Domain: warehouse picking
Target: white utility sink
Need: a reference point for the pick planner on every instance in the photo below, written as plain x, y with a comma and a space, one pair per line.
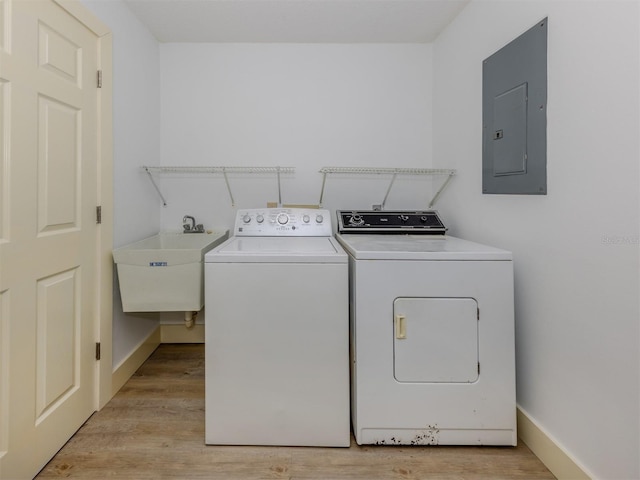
165, 273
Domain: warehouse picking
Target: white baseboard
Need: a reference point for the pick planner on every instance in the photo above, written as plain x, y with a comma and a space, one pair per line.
547, 449
180, 334
128, 367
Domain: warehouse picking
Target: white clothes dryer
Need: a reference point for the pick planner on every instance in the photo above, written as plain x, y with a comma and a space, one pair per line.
432, 333
277, 332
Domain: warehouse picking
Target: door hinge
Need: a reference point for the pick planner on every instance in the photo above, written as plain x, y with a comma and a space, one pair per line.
99, 214
478, 368
478, 313
97, 350
99, 78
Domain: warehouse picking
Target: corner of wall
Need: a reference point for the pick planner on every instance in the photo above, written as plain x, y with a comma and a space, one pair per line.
559, 462
181, 334
134, 360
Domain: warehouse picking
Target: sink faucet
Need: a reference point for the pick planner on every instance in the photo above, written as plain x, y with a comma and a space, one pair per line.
189, 225
186, 225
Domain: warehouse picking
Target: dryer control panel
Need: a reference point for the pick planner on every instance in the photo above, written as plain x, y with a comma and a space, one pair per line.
396, 221
283, 222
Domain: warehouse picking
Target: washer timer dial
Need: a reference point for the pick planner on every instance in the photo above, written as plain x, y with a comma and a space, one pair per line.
283, 218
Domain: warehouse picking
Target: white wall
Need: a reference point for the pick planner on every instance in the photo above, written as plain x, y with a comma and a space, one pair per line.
299, 105
136, 114
575, 249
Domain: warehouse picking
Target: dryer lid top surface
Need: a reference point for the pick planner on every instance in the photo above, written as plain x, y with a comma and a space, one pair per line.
417, 247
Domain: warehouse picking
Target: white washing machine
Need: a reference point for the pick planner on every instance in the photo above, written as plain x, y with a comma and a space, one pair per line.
277, 332
432, 333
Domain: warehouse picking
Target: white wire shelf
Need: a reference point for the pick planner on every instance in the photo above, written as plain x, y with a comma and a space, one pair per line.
197, 170
217, 170
388, 171
394, 172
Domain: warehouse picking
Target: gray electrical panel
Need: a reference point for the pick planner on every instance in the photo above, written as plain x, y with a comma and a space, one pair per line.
514, 116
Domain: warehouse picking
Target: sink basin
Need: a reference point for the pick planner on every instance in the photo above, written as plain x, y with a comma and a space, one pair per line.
165, 272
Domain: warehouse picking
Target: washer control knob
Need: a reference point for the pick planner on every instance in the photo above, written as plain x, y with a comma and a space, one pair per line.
404, 218
246, 218
319, 218
306, 219
283, 218
260, 218
423, 219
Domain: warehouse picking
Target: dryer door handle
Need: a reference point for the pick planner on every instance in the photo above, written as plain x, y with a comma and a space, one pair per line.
401, 327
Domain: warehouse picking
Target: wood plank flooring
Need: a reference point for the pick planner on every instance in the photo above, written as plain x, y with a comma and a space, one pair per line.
154, 429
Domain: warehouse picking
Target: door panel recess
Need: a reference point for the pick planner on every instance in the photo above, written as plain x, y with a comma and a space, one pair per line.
435, 340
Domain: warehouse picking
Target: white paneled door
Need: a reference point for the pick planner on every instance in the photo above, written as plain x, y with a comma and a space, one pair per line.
49, 239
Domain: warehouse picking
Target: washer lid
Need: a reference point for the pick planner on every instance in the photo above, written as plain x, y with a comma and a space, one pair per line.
278, 250
417, 247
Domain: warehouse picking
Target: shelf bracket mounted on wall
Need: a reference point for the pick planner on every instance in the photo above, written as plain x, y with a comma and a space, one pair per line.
155, 185
218, 170
394, 172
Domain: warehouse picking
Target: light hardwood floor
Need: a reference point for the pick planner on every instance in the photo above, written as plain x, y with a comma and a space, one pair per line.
154, 429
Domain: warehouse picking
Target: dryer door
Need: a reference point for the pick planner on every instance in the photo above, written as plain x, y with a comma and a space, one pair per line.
435, 340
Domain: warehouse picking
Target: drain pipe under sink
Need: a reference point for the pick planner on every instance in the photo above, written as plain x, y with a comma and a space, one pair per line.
190, 319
